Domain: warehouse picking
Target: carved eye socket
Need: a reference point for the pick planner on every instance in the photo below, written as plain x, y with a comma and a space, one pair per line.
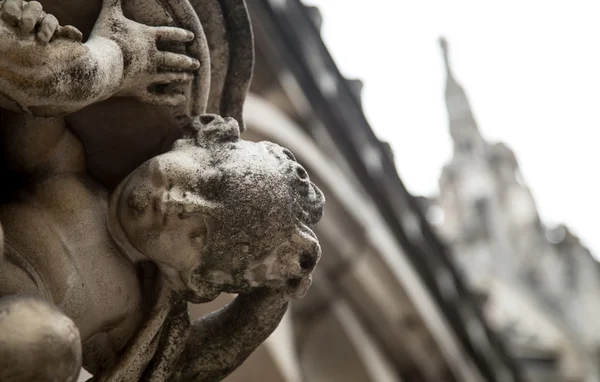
207, 118
289, 154
302, 174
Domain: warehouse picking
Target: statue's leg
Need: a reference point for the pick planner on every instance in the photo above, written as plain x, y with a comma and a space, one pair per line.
37, 342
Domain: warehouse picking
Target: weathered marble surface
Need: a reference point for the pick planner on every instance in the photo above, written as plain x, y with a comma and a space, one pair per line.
122, 201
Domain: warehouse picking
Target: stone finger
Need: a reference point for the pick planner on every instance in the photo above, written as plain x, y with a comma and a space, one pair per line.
298, 288
11, 11
173, 34
48, 26
173, 77
69, 32
174, 61
31, 15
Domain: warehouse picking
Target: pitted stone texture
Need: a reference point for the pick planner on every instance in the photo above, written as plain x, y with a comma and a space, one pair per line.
237, 214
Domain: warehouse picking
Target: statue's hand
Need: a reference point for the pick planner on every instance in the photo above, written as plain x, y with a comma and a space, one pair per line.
293, 289
297, 288
28, 17
145, 66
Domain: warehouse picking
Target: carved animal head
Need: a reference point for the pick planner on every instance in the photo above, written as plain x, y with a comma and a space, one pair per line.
222, 214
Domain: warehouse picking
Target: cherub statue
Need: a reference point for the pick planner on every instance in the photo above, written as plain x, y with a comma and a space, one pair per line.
103, 281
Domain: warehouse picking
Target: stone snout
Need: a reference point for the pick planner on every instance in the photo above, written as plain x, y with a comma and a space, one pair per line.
289, 265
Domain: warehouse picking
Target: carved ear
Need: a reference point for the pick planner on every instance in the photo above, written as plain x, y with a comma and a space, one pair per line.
228, 31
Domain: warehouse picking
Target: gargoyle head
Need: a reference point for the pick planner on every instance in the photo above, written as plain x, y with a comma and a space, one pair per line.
221, 214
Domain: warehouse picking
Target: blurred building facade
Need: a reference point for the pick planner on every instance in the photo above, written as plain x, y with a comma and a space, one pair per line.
539, 287
387, 303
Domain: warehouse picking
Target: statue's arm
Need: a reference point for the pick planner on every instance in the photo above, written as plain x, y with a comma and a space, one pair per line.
63, 75
219, 342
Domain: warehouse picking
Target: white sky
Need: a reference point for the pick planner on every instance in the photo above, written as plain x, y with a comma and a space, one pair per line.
531, 70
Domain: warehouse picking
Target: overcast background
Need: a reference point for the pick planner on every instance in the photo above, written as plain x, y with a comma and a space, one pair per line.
531, 70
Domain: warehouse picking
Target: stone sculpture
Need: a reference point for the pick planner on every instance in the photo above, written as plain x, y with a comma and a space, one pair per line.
101, 256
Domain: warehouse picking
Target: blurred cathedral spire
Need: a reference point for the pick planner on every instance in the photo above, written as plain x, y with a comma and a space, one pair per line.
463, 127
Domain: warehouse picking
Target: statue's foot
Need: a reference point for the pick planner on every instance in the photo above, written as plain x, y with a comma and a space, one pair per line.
37, 342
